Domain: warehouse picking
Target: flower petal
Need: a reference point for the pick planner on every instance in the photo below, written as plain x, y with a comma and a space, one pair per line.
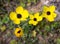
45, 8
25, 14
40, 18
35, 23
54, 15
12, 15
16, 21
52, 8
19, 9
31, 22
23, 19
51, 19
31, 16
36, 15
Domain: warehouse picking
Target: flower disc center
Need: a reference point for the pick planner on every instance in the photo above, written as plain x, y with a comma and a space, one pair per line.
35, 19
19, 15
19, 31
48, 13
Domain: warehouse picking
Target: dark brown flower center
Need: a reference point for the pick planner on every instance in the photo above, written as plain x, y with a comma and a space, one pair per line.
35, 19
48, 13
19, 15
19, 31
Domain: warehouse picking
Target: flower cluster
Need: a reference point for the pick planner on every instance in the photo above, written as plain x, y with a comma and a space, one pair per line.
22, 14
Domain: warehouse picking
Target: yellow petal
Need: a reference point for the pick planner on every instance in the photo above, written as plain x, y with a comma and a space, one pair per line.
51, 19
35, 22
45, 8
52, 8
25, 14
36, 15
19, 9
16, 21
31, 16
31, 22
54, 15
23, 19
44, 15
12, 15
40, 18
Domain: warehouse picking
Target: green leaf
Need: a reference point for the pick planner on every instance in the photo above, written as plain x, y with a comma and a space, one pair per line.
5, 19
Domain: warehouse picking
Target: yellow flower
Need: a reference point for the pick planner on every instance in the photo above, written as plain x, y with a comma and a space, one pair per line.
34, 33
48, 13
18, 32
34, 19
19, 15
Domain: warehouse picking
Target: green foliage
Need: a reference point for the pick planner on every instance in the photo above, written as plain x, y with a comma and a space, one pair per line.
58, 40
28, 0
47, 28
55, 25
13, 42
22, 4
11, 25
5, 19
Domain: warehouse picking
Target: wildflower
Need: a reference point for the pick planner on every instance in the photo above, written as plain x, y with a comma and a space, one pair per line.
18, 32
48, 13
34, 33
34, 19
3, 28
20, 15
